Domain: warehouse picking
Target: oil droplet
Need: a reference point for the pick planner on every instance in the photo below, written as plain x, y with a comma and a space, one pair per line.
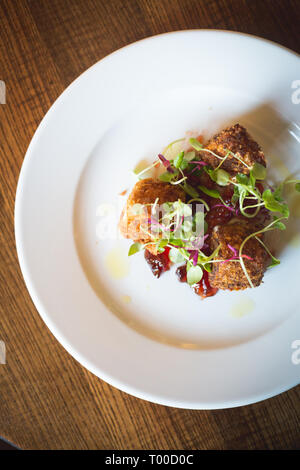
117, 263
126, 299
242, 308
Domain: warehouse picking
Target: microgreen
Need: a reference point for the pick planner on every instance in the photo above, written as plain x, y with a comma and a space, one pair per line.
168, 177
258, 171
190, 190
210, 192
196, 144
179, 160
176, 228
194, 274
172, 149
271, 226
275, 261
278, 224
219, 176
222, 177
176, 256
199, 147
134, 248
274, 205
166, 163
140, 174
296, 182
161, 244
189, 156
243, 180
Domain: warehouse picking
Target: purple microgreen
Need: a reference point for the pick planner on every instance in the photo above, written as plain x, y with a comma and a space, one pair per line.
166, 163
197, 167
193, 256
236, 258
234, 250
199, 162
232, 209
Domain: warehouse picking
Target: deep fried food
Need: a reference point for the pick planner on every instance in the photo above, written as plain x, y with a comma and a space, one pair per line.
146, 192
238, 141
229, 274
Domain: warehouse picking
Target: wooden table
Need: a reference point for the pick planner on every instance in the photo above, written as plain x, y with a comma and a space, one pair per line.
48, 401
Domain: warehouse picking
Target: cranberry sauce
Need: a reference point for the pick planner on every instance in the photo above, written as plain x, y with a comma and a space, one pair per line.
181, 273
158, 263
202, 288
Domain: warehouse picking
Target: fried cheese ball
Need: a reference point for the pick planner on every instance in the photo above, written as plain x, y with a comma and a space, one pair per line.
229, 274
238, 141
145, 192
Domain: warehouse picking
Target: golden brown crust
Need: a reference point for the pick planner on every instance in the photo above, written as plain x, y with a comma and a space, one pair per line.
147, 190
237, 140
144, 192
230, 275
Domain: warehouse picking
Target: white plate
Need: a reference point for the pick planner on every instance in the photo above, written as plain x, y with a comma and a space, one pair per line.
156, 339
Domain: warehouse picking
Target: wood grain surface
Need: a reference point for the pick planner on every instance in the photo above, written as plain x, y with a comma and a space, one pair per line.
48, 401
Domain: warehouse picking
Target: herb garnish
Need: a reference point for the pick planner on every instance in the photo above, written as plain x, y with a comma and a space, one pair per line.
175, 231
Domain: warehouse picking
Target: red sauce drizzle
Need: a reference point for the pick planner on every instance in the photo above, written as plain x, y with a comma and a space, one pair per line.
181, 273
202, 288
158, 263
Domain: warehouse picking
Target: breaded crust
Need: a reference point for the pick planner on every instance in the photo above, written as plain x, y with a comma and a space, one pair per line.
230, 275
146, 192
237, 140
